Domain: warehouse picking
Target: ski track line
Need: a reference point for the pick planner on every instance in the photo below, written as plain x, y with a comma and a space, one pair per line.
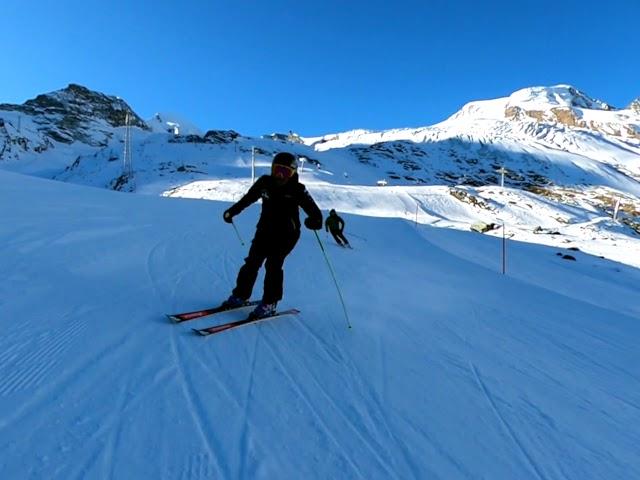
439, 449
336, 357
379, 418
36, 404
210, 253
196, 409
151, 273
319, 419
223, 388
139, 397
29, 371
504, 423
227, 275
12, 346
103, 453
160, 249
341, 361
378, 402
198, 466
150, 267
79, 470
383, 368
108, 453
244, 440
30, 246
625, 401
586, 359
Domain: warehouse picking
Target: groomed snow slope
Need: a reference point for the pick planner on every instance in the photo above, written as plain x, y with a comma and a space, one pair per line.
451, 370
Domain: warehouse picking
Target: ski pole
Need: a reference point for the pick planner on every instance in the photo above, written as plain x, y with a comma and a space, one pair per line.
346, 315
237, 233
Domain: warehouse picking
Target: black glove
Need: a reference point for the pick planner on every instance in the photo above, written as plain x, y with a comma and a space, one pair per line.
312, 224
227, 216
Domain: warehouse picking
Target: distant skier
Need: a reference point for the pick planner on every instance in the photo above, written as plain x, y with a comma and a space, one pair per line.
277, 231
335, 225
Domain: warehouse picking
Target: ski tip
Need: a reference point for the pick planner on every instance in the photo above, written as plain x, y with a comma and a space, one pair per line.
173, 318
198, 331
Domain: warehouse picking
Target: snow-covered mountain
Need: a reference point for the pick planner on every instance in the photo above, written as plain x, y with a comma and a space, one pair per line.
563, 153
73, 114
544, 136
47, 134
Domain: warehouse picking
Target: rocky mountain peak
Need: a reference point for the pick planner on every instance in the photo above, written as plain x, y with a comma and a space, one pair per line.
566, 105
78, 101
72, 114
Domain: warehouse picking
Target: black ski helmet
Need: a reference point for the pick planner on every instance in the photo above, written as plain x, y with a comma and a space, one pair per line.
286, 158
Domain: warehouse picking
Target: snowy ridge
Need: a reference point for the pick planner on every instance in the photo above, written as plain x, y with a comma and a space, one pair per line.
560, 95
533, 99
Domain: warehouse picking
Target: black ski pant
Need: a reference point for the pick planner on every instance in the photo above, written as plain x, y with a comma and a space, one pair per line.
272, 248
339, 237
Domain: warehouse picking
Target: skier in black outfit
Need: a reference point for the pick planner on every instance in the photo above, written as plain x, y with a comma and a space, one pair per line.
277, 231
335, 225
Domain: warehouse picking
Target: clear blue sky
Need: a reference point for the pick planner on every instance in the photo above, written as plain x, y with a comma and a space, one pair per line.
317, 67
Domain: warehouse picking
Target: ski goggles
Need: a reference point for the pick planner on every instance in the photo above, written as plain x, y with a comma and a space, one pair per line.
282, 171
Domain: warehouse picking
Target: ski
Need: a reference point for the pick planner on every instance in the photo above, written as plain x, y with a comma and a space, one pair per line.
186, 316
239, 323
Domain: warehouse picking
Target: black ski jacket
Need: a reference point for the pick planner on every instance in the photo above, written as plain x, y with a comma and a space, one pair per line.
280, 213
334, 223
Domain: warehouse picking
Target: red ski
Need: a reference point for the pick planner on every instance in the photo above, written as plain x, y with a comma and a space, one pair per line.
186, 316
239, 323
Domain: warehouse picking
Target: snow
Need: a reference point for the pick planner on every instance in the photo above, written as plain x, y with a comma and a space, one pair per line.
452, 370
560, 95
521, 211
172, 123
